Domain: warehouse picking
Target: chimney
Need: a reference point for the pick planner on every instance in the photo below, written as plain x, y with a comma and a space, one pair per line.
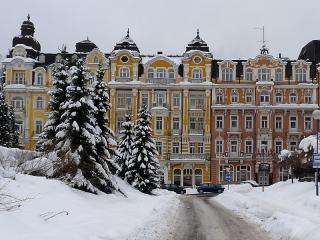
280, 55
159, 53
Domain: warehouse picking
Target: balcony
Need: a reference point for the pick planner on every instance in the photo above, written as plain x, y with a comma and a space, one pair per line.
176, 131
189, 157
160, 105
123, 79
197, 80
161, 80
196, 107
196, 131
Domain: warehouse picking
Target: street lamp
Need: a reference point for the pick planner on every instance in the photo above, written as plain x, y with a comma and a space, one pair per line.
316, 115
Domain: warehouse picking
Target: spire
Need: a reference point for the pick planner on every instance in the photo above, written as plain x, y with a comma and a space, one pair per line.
198, 33
128, 32
28, 17
264, 50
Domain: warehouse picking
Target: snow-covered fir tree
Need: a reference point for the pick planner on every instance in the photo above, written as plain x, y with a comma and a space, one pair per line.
57, 99
125, 146
14, 133
5, 133
76, 136
143, 165
105, 142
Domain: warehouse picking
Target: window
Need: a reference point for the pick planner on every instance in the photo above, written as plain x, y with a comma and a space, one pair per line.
264, 97
227, 74
160, 99
249, 74
248, 97
124, 72
17, 102
191, 148
264, 146
158, 123
95, 59
293, 145
278, 122
293, 122
39, 79
38, 127
293, 98
196, 101
177, 177
307, 123
301, 75
144, 99
278, 74
120, 120
243, 173
196, 73
197, 60
171, 73
198, 176
150, 73
175, 147
124, 59
264, 121
219, 121
161, 73
159, 147
219, 146
39, 103
234, 148
234, 96
249, 146
19, 124
278, 98
234, 121
176, 123
249, 122
308, 97
200, 148
124, 100
196, 123
219, 98
19, 77
176, 99
278, 146
264, 74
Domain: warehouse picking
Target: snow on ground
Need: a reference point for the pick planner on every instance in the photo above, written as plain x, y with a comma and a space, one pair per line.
56, 211
287, 211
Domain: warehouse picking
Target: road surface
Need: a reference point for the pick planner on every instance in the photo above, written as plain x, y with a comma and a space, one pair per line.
202, 219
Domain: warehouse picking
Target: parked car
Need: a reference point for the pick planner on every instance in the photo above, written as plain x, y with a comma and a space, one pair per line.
251, 182
174, 188
210, 187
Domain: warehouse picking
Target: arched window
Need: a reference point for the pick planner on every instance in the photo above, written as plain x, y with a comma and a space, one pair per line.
17, 102
39, 103
39, 79
293, 98
196, 73
249, 74
264, 97
278, 98
124, 72
278, 74
150, 73
177, 176
95, 59
264, 74
301, 75
234, 96
227, 74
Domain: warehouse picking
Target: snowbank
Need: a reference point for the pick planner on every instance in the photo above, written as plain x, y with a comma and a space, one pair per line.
285, 210
56, 211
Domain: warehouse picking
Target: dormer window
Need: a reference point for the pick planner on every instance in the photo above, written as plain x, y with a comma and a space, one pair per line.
227, 74
197, 60
264, 74
196, 73
278, 74
301, 75
161, 73
249, 74
293, 98
124, 72
39, 80
150, 73
19, 77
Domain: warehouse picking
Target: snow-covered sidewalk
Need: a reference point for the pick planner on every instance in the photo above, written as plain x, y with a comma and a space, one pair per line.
55, 211
287, 211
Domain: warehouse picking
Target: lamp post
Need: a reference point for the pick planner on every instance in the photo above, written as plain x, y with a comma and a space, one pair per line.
316, 115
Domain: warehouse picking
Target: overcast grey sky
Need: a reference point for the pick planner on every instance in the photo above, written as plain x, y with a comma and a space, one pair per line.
167, 25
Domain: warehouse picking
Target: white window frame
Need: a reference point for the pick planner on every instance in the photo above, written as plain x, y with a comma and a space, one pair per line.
264, 74
227, 74
124, 72
196, 73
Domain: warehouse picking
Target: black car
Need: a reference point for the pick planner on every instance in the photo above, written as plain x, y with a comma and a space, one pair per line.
174, 188
210, 187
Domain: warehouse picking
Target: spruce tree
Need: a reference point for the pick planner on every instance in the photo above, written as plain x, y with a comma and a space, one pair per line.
105, 139
125, 146
76, 136
143, 166
5, 133
57, 99
14, 133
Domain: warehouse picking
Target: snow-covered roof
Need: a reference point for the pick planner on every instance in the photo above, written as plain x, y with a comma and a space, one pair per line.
174, 59
26, 60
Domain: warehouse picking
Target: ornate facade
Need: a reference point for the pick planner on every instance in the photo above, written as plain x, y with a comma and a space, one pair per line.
207, 114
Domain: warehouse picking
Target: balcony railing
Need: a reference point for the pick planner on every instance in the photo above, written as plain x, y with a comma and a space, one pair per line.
161, 80
176, 131
189, 157
123, 79
197, 80
195, 131
165, 105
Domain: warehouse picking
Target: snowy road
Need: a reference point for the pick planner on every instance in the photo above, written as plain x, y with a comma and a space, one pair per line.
201, 219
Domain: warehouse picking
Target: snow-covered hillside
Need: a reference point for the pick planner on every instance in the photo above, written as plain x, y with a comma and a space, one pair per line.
288, 211
55, 211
